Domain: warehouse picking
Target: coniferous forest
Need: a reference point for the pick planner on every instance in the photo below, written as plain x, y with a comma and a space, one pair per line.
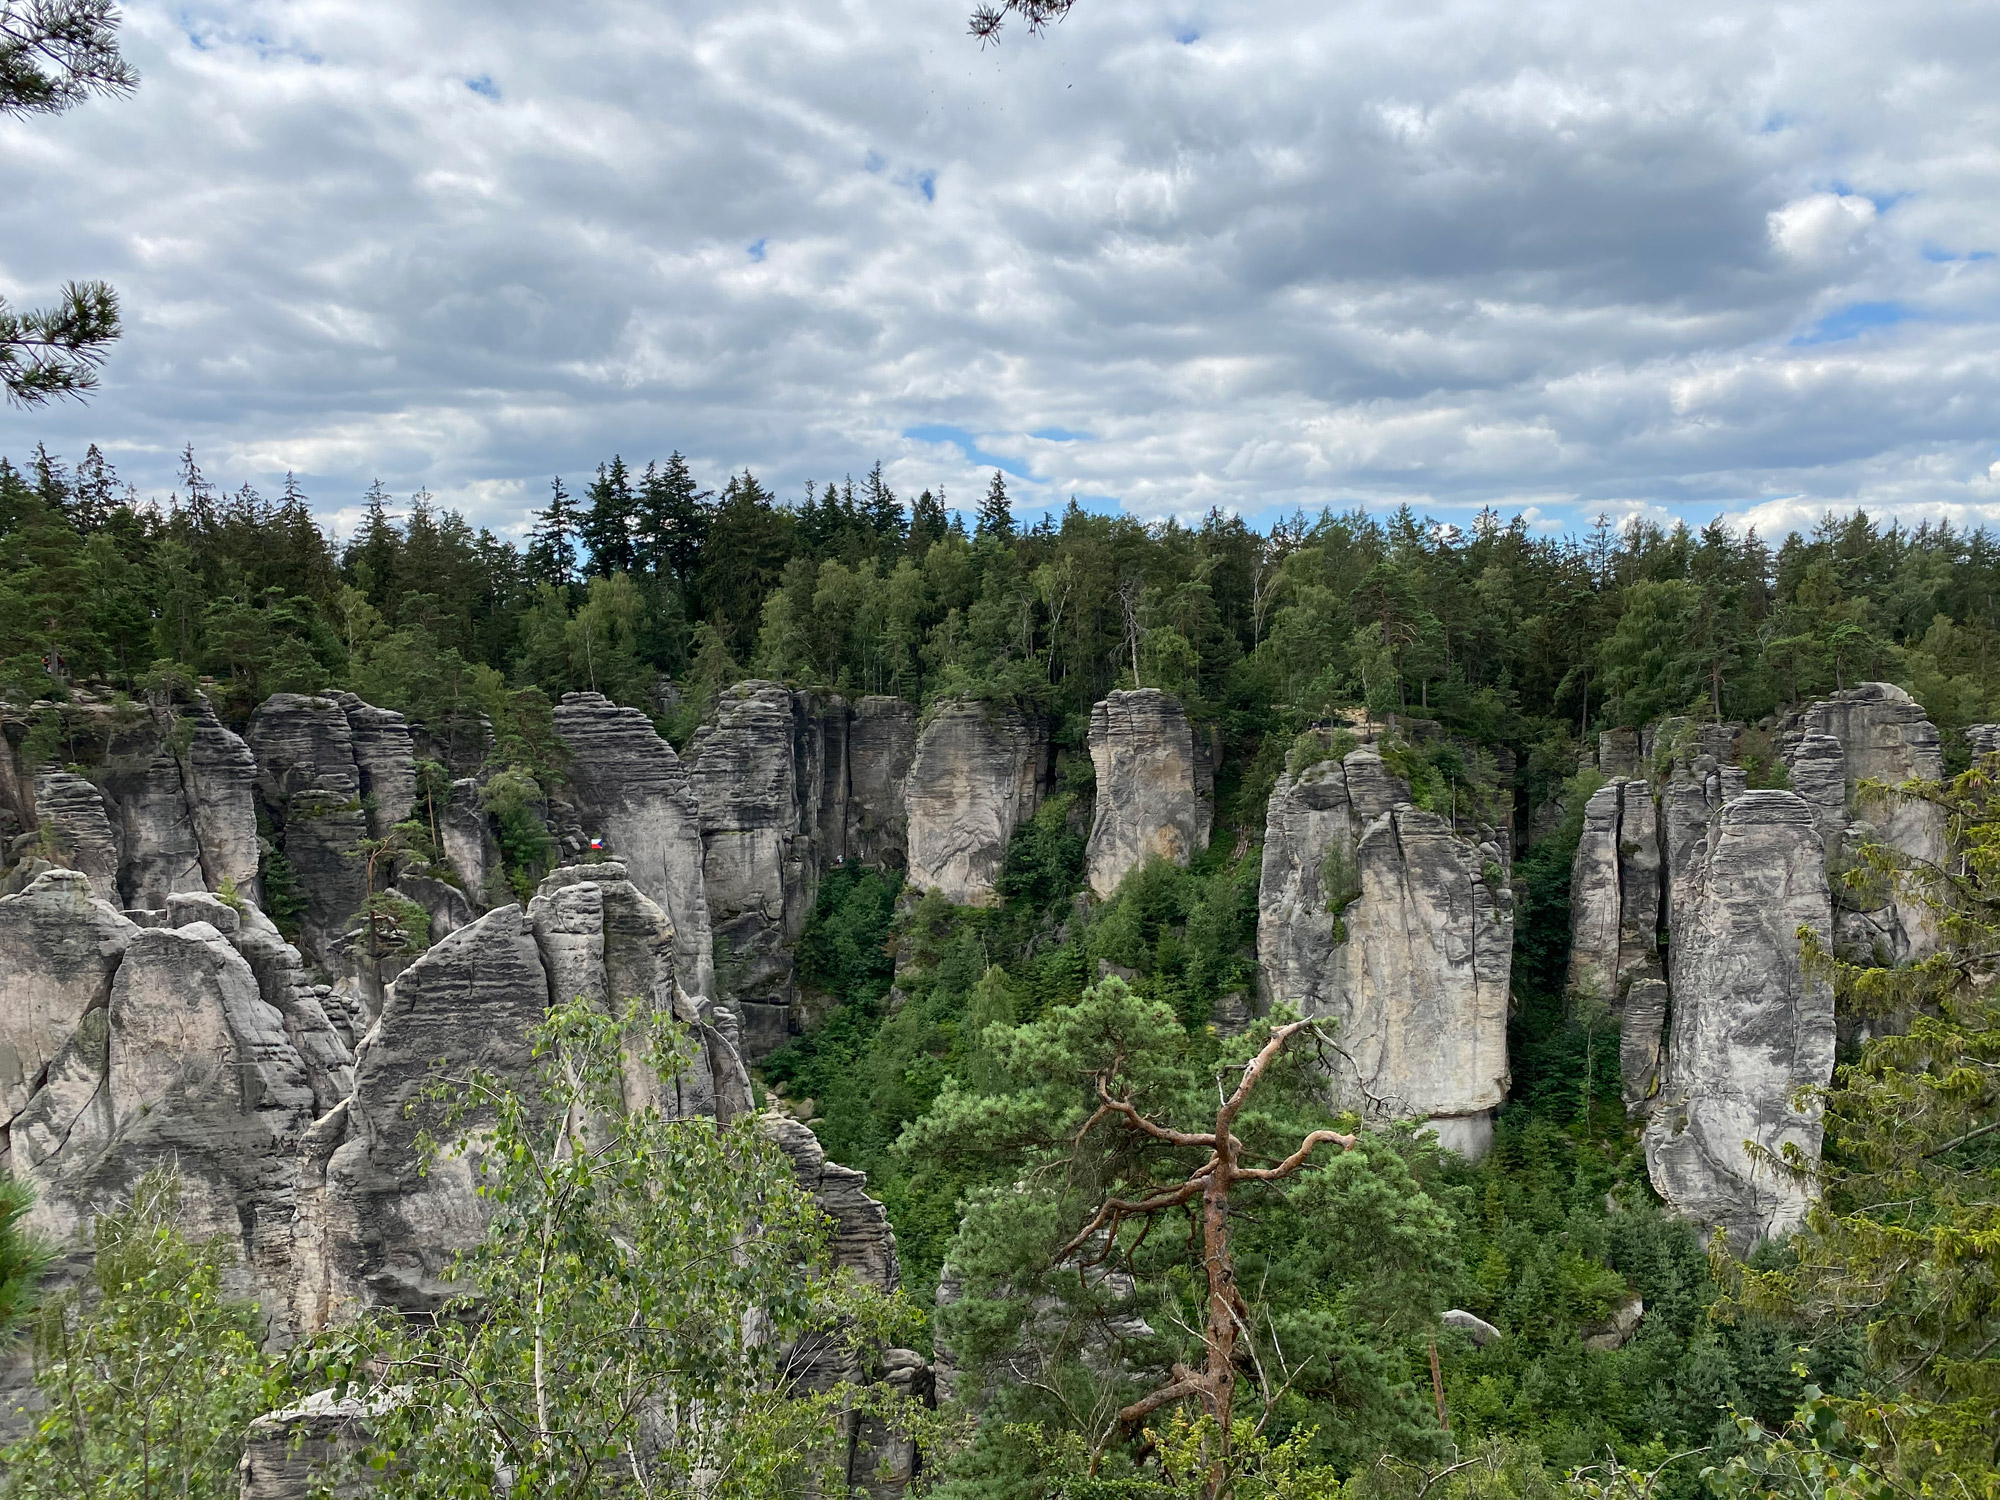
1860, 1356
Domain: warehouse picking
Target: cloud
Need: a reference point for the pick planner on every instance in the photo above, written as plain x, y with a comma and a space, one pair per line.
1701, 259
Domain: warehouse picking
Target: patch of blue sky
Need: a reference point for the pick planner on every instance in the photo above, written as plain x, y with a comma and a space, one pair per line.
874, 161
922, 182
1854, 320
1938, 255
757, 248
966, 443
1187, 36
1061, 435
485, 85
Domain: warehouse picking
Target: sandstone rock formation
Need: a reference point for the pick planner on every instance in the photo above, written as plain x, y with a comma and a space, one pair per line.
977, 775
881, 743
1155, 786
182, 1062
1385, 920
1750, 1025
372, 1231
633, 792
1878, 733
1615, 892
331, 771
759, 773
74, 815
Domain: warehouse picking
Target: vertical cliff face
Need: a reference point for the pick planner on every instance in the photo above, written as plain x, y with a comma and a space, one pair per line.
1155, 786
1388, 922
1615, 892
1750, 1025
881, 743
158, 1047
331, 771
1875, 732
760, 776
633, 792
977, 775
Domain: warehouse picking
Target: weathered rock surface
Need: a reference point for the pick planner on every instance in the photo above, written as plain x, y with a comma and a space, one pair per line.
881, 744
977, 775
1983, 739
1881, 735
148, 802
759, 772
59, 948
633, 792
220, 776
74, 814
1382, 918
1155, 786
1615, 892
331, 771
1750, 1025
312, 1449
189, 1068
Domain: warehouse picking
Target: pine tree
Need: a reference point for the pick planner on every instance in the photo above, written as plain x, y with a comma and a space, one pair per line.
670, 524
883, 510
928, 523
996, 517
370, 559
606, 529
552, 544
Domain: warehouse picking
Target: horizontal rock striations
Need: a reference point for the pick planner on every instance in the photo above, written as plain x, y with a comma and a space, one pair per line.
1155, 786
1751, 1026
1389, 923
632, 792
979, 773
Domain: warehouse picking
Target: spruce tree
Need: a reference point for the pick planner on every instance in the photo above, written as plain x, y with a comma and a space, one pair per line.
883, 510
606, 529
996, 516
552, 545
670, 524
928, 523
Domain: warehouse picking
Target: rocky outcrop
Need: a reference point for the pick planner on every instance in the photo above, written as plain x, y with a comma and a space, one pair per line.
1385, 920
186, 1066
760, 771
978, 774
331, 771
1615, 888
220, 776
881, 744
77, 822
1155, 786
633, 793
1872, 733
1751, 1026
59, 948
372, 1230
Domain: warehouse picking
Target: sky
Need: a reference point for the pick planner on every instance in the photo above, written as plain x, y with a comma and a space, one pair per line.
1563, 259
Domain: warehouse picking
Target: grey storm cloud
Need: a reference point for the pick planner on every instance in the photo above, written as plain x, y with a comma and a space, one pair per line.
1709, 258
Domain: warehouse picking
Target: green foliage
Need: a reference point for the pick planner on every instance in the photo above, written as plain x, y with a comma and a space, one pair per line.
515, 798
599, 1347
149, 1373
23, 1259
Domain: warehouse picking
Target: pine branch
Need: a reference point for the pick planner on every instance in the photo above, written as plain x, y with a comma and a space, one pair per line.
55, 351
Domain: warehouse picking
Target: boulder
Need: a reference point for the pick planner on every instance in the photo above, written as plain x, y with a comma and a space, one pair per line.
1751, 1026
1388, 922
633, 793
1155, 786
978, 774
1472, 1326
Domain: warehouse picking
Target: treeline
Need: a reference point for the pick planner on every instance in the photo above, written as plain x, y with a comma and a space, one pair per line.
1507, 636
